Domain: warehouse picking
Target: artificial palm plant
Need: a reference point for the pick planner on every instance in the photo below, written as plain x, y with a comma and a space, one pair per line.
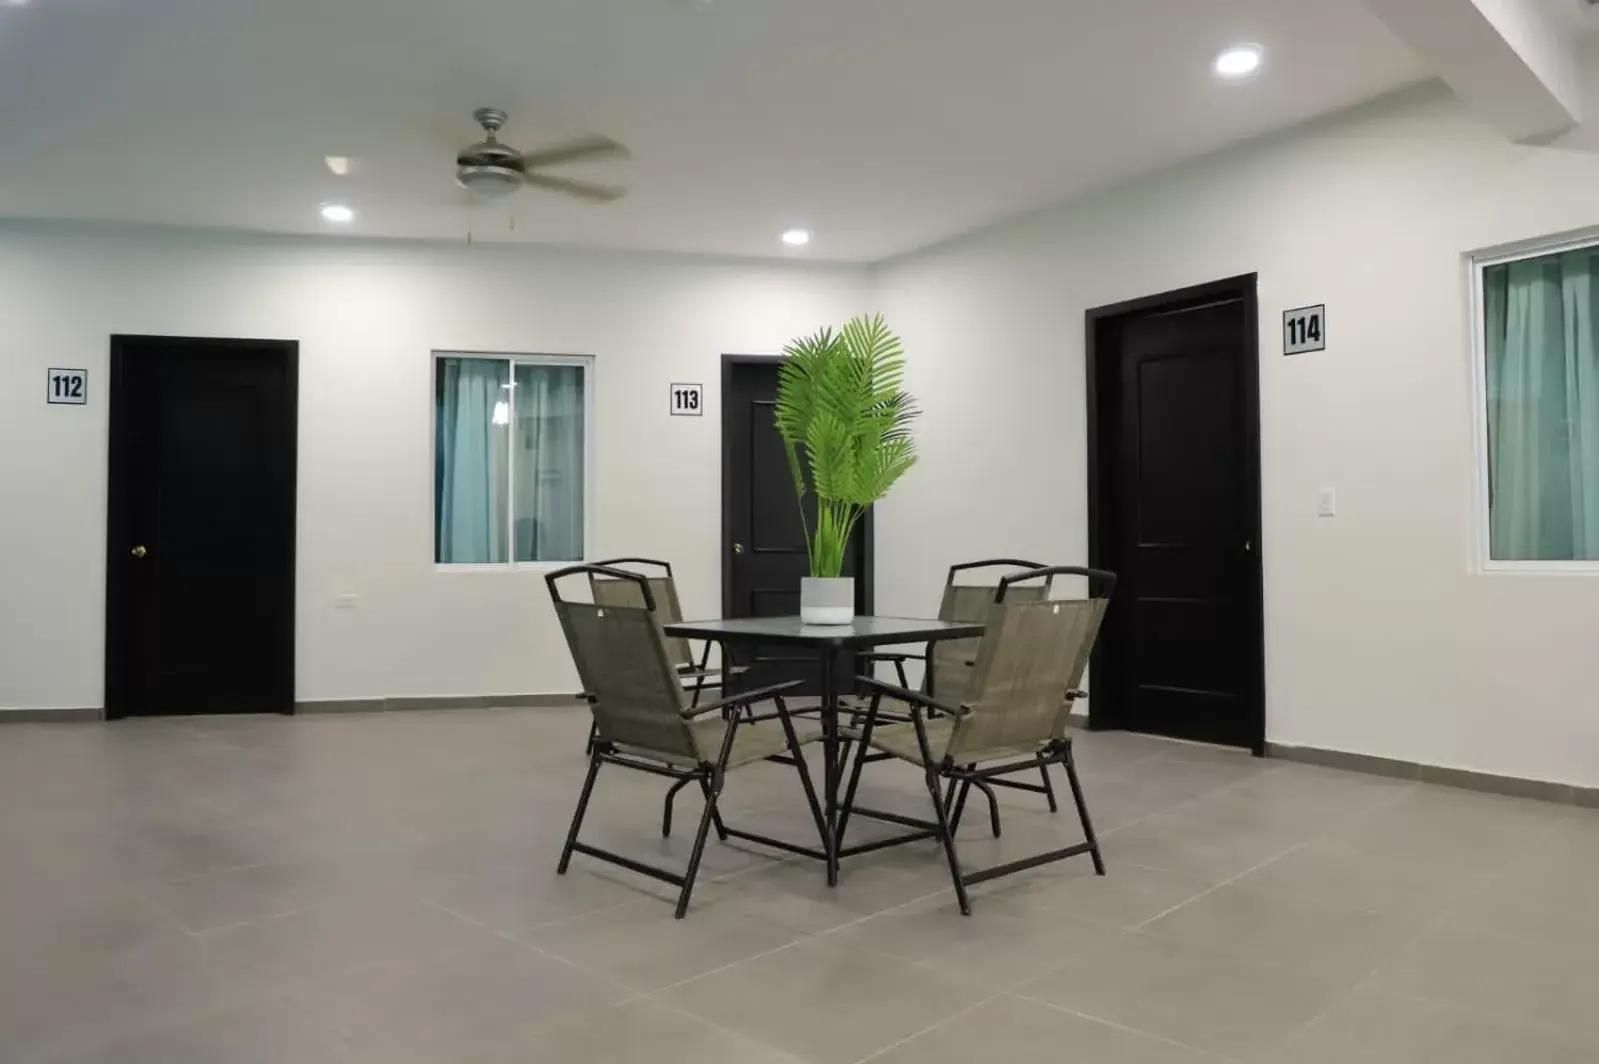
845, 422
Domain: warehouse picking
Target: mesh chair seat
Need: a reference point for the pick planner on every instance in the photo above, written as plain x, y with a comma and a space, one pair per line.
692, 678
752, 742
900, 740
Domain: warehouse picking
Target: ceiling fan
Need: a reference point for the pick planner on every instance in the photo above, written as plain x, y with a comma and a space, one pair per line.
492, 169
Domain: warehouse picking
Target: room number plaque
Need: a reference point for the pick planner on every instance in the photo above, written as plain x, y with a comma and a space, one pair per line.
1305, 329
685, 400
69, 386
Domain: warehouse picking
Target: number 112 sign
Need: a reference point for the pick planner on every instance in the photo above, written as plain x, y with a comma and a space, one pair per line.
1305, 329
69, 386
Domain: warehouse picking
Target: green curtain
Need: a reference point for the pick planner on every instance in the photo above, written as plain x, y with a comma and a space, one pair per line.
548, 463
469, 471
1543, 407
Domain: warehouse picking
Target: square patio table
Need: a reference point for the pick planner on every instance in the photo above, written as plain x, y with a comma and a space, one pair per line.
828, 643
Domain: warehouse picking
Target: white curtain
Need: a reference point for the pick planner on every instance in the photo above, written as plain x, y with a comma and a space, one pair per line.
1543, 407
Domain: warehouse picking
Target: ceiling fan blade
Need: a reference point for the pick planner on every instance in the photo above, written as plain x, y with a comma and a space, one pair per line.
581, 189
574, 150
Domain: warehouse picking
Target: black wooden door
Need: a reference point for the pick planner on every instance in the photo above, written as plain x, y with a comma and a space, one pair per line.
200, 553
1184, 635
764, 541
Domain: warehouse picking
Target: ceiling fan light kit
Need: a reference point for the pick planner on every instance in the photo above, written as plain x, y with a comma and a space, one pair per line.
490, 182
493, 169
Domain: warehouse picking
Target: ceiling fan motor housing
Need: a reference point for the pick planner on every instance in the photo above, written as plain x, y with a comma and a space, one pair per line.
495, 181
488, 167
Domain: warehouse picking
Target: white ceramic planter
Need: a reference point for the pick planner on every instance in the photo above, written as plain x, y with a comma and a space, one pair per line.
827, 600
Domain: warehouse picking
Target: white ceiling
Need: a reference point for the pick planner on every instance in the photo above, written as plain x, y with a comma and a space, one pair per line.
883, 125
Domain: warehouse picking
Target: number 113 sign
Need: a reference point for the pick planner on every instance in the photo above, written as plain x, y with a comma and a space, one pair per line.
685, 401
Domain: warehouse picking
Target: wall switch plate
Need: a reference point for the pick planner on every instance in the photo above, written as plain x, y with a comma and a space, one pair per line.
1327, 502
344, 602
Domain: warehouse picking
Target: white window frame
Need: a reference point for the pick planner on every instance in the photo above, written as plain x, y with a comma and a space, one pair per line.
584, 362
1476, 264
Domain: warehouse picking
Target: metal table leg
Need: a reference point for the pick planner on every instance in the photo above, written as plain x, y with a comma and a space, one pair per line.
830, 759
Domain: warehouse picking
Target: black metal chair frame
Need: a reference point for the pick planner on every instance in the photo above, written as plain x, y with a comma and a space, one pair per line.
709, 775
948, 805
898, 660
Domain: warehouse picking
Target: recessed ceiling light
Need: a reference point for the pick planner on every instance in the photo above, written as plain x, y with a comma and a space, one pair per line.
796, 238
337, 212
18, 3
339, 164
1239, 61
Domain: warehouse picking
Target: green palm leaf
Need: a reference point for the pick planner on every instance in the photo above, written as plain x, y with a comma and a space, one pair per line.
845, 420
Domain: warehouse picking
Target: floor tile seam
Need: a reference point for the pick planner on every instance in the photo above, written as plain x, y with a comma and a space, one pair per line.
633, 993
1267, 966
1506, 1019
1448, 918
742, 1036
187, 1014
1125, 1028
804, 938
311, 907
1360, 983
1173, 807
1143, 924
874, 1054
1282, 893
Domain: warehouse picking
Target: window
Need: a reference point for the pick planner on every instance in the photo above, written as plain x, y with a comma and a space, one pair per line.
510, 459
1538, 360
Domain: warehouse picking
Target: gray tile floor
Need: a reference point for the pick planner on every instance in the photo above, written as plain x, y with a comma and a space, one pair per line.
381, 888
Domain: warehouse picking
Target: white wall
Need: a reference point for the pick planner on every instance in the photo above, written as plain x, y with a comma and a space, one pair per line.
1380, 637
367, 316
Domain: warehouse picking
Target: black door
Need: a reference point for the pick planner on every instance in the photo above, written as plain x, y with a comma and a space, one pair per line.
763, 541
1177, 516
200, 553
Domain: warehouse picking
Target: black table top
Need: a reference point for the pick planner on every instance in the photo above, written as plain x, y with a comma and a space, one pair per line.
862, 632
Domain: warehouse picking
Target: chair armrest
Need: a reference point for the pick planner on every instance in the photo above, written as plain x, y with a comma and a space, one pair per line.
915, 699
743, 698
891, 656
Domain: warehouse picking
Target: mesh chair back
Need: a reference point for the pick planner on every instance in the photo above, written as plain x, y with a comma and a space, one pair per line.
1033, 653
949, 665
616, 591
622, 660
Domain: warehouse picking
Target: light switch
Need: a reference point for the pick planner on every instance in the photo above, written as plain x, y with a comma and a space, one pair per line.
1327, 502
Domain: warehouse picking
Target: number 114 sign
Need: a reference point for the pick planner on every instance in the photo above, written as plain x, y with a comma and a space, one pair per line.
1305, 329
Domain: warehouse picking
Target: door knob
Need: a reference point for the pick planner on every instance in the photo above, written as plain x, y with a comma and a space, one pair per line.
139, 551
738, 548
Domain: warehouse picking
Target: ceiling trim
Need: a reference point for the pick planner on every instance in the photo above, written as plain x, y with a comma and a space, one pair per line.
1509, 60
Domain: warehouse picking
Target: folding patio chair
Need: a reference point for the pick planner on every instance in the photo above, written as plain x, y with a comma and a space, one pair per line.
694, 674
1029, 662
644, 721
948, 664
